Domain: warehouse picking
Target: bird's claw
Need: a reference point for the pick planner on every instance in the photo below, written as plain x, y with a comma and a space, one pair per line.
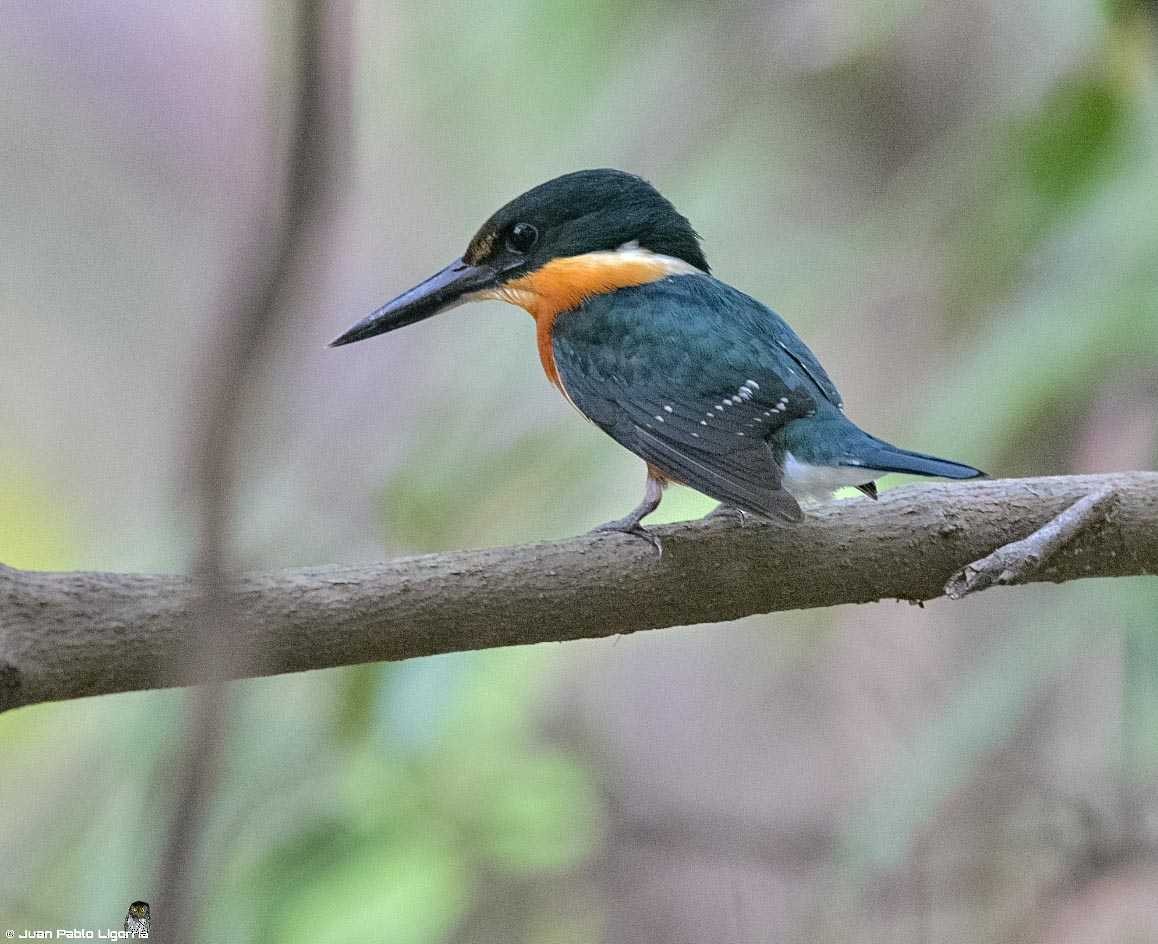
633, 528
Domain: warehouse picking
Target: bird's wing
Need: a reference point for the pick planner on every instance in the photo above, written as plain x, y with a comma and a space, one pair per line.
687, 388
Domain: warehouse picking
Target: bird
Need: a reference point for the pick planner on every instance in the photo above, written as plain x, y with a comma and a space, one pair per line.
708, 386
137, 921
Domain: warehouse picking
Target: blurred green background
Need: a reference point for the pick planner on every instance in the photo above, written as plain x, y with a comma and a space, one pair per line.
955, 203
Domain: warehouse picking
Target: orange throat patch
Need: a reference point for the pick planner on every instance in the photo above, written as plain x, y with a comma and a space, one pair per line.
565, 283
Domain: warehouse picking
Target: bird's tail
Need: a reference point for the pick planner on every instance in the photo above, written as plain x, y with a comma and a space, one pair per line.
837, 441
884, 457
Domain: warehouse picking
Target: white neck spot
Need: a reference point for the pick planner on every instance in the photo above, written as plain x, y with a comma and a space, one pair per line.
631, 252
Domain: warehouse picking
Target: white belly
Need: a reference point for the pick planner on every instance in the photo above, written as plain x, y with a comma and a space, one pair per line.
816, 483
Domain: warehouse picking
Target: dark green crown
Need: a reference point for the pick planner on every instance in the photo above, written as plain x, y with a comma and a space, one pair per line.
586, 211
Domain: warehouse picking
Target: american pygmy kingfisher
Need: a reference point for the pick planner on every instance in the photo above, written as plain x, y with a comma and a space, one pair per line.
709, 387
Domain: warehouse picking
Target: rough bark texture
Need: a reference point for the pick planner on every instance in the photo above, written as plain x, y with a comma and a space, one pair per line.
68, 635
1014, 563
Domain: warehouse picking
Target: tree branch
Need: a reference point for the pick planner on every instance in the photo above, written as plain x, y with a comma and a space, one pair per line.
1017, 561
68, 635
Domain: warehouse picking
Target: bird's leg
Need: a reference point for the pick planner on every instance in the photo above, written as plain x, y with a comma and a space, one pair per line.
630, 524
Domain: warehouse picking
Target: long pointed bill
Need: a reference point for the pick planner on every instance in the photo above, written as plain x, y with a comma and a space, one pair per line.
452, 286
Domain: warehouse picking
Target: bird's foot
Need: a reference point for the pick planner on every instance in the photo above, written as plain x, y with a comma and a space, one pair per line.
731, 512
630, 525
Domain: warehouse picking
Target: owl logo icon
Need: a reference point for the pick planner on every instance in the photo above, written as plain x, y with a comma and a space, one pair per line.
137, 920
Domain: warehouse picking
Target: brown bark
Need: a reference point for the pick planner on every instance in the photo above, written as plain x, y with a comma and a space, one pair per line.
67, 635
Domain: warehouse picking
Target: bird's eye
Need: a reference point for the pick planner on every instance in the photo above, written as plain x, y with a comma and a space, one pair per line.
522, 238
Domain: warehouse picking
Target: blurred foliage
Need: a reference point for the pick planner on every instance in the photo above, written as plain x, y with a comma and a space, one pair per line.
1045, 164
960, 217
1140, 687
946, 750
439, 785
33, 528
448, 494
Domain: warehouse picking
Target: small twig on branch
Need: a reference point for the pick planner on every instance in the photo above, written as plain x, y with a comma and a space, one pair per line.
1017, 561
71, 635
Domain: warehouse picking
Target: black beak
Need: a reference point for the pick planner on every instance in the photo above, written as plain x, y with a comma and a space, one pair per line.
452, 286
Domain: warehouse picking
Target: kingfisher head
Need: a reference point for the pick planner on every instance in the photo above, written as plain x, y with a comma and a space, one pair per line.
580, 234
